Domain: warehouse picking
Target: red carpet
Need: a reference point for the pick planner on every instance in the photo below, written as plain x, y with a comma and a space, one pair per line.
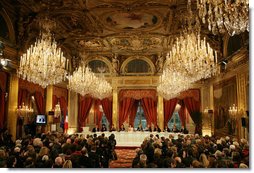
124, 158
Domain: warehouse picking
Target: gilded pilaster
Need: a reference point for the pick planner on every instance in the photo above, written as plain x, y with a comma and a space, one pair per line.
207, 104
115, 103
72, 112
160, 112
12, 106
241, 80
211, 106
49, 100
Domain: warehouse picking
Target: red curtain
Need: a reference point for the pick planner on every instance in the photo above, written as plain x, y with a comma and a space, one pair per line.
98, 113
182, 115
39, 102
194, 109
169, 107
150, 110
107, 105
125, 106
54, 101
84, 108
63, 106
22, 95
2, 105
192, 105
133, 112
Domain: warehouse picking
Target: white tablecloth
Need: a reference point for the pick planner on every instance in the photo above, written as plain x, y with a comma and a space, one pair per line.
133, 139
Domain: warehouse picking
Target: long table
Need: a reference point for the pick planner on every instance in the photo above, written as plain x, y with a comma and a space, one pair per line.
132, 139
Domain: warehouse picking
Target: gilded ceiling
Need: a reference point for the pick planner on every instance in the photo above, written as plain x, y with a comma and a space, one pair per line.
107, 28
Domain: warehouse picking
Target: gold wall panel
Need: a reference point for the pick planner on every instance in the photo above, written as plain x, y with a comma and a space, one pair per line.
137, 82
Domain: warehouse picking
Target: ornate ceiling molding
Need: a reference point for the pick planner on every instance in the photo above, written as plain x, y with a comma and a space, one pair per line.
105, 27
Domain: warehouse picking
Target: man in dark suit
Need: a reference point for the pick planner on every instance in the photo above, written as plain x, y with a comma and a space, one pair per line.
96, 129
157, 128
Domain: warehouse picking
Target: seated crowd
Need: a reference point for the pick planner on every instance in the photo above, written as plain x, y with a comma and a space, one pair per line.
56, 150
192, 151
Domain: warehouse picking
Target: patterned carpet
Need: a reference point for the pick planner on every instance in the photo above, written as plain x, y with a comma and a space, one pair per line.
124, 160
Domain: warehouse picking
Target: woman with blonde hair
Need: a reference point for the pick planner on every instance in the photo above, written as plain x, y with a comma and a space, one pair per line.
203, 159
43, 151
67, 164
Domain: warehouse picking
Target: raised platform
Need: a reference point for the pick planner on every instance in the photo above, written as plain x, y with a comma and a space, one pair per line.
132, 139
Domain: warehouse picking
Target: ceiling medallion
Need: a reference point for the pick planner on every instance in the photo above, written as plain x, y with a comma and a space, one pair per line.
131, 20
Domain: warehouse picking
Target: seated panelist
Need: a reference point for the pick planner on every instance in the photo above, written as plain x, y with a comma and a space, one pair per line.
122, 129
140, 128
103, 128
130, 129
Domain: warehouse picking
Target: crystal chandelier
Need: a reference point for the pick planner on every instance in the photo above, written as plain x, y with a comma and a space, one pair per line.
102, 90
172, 84
43, 63
24, 111
192, 57
233, 111
84, 81
225, 15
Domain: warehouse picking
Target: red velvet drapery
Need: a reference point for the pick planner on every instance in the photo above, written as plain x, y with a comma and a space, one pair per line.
133, 112
107, 108
169, 107
99, 117
22, 95
63, 106
194, 109
54, 101
2, 105
39, 100
150, 109
97, 112
125, 107
182, 115
192, 105
84, 107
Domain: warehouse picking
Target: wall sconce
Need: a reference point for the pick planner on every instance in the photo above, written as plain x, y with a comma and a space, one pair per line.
3, 62
24, 111
57, 110
206, 110
233, 111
